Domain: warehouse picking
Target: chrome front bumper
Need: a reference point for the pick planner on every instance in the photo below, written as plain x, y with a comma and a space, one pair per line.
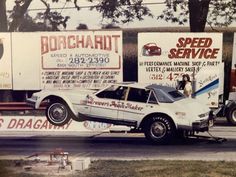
203, 125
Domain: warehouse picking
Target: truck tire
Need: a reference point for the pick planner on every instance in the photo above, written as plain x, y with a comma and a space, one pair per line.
231, 116
58, 113
159, 130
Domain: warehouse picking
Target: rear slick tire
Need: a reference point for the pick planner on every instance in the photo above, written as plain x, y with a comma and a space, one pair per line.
58, 113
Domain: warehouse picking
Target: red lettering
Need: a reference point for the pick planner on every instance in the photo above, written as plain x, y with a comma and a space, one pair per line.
71, 42
102, 42
184, 53
61, 42
98, 42
61, 127
44, 45
53, 43
20, 123
188, 40
201, 54
207, 53
208, 42
89, 42
107, 43
28, 124
44, 125
194, 42
180, 42
204, 42
12, 124
172, 53
50, 126
193, 53
214, 53
80, 41
37, 124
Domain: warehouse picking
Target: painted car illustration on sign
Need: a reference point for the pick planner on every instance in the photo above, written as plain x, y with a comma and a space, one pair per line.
160, 112
151, 49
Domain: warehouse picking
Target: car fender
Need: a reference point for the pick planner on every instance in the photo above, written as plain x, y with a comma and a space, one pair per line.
169, 111
46, 95
147, 116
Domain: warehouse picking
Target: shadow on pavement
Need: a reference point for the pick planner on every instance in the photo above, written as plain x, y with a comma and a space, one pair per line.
106, 140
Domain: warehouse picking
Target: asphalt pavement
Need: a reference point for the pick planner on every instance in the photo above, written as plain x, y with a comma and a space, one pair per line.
120, 146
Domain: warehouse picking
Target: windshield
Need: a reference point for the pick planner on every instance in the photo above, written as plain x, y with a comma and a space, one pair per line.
166, 94
176, 95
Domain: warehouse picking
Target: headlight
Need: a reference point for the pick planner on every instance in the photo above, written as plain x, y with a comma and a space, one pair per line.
203, 115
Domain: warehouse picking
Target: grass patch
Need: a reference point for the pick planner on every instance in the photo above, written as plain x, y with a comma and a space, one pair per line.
147, 168
4, 172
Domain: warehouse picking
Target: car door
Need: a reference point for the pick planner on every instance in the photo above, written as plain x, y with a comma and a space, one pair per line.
136, 105
105, 104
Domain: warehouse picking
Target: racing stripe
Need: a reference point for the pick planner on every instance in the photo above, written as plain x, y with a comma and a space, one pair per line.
213, 85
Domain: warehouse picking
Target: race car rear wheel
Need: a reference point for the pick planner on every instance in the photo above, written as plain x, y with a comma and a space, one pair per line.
159, 129
58, 113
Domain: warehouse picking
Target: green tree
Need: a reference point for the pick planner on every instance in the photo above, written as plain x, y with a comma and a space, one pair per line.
196, 12
19, 11
82, 26
216, 13
3, 15
19, 15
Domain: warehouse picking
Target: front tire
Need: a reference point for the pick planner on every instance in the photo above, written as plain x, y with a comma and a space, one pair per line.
58, 113
232, 115
159, 130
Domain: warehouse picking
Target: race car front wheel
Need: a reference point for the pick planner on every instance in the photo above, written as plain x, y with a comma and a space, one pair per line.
58, 113
159, 129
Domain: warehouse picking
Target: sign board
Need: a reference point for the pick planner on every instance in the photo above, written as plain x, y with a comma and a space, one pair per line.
164, 58
5, 61
88, 59
66, 60
233, 70
40, 123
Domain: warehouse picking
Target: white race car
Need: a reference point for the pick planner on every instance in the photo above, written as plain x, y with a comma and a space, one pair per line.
158, 111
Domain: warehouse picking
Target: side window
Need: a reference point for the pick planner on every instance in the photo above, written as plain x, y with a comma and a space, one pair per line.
113, 92
107, 93
120, 93
152, 98
138, 95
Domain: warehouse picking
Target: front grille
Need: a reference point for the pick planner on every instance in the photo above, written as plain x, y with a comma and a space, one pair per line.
203, 123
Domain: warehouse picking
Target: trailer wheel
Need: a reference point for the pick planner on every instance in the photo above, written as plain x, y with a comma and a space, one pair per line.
159, 130
58, 113
231, 116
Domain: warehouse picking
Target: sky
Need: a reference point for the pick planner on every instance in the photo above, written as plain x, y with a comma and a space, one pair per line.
94, 20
